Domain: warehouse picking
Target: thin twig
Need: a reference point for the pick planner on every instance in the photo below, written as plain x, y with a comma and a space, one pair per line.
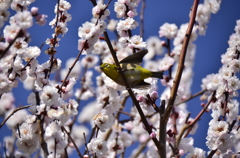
211, 153
41, 138
78, 151
142, 17
140, 149
40, 128
187, 126
191, 97
85, 142
54, 41
165, 117
14, 111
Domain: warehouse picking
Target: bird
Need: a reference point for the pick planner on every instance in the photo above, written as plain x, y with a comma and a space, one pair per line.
134, 73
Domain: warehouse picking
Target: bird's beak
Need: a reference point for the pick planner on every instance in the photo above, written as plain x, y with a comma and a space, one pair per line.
102, 67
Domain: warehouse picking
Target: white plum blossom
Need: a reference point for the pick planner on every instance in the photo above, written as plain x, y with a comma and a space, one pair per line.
28, 141
168, 30
214, 5
49, 95
154, 47
64, 6
103, 121
87, 30
137, 42
98, 147
112, 25
89, 61
31, 52
196, 152
116, 146
165, 63
120, 9
10, 32
97, 11
128, 24
23, 20
7, 103
52, 130
126, 138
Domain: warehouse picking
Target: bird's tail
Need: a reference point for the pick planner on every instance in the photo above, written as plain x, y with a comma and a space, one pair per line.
158, 74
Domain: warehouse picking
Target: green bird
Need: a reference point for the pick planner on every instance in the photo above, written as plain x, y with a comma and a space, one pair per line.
134, 73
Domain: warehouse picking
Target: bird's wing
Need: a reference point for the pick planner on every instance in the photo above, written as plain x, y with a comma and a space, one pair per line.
141, 85
135, 58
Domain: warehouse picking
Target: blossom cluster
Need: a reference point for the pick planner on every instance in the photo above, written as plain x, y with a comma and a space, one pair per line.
223, 134
54, 124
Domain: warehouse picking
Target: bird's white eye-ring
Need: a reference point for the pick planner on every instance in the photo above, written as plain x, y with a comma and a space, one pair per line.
107, 65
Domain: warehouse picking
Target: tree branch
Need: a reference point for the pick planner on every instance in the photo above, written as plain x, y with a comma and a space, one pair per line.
165, 117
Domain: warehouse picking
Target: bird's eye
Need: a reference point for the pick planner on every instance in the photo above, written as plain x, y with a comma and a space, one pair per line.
107, 65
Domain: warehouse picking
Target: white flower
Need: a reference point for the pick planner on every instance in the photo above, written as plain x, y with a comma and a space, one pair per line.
87, 30
116, 146
70, 83
233, 83
103, 121
98, 10
61, 28
5, 4
196, 152
222, 143
211, 82
89, 61
85, 46
98, 146
28, 142
168, 30
217, 128
234, 65
52, 129
19, 46
214, 5
128, 24
10, 31
72, 107
49, 95
120, 9
31, 52
63, 6
24, 2
101, 48
203, 14
233, 107
154, 46
112, 25
113, 101
6, 102
9, 143
132, 3
4, 15
226, 73
23, 20
137, 42
126, 138
5, 84
165, 63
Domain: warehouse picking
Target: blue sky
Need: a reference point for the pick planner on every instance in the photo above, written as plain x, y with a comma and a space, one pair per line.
209, 47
